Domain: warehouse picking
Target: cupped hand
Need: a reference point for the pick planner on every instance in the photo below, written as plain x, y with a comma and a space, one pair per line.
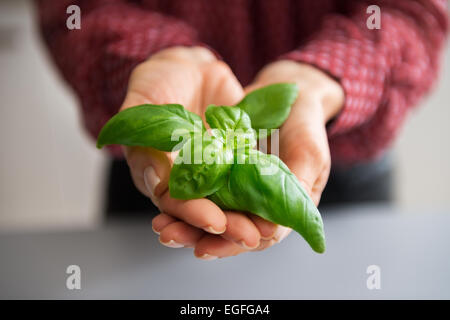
194, 78
303, 142
303, 145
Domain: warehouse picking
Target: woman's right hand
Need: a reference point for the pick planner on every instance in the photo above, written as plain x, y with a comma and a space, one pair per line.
194, 78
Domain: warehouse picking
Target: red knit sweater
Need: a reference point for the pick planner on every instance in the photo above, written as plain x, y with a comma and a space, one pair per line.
383, 72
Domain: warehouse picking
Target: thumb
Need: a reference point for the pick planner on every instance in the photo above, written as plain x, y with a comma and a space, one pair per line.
304, 146
150, 170
306, 153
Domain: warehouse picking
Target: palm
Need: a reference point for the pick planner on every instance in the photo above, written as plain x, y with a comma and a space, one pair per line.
193, 86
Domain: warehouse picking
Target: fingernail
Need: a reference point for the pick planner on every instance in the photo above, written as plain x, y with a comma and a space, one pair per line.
207, 257
271, 236
151, 180
247, 247
171, 244
213, 231
281, 234
155, 231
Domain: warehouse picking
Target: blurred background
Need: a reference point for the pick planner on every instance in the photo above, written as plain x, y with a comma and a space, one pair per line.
52, 176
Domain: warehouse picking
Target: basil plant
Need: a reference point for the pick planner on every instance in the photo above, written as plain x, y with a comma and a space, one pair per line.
222, 163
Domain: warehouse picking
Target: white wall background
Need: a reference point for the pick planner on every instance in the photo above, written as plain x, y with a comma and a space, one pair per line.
423, 149
50, 172
51, 175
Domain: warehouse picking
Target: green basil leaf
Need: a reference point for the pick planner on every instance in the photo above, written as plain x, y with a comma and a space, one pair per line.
265, 186
157, 126
224, 199
233, 124
269, 107
227, 118
200, 169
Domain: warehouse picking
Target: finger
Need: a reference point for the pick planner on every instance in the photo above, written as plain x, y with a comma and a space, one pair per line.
311, 169
266, 228
282, 233
179, 234
270, 230
303, 143
241, 230
161, 221
264, 244
200, 213
304, 149
211, 247
150, 170
319, 186
160, 82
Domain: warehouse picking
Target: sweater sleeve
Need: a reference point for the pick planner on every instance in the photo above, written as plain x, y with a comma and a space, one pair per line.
97, 59
384, 72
